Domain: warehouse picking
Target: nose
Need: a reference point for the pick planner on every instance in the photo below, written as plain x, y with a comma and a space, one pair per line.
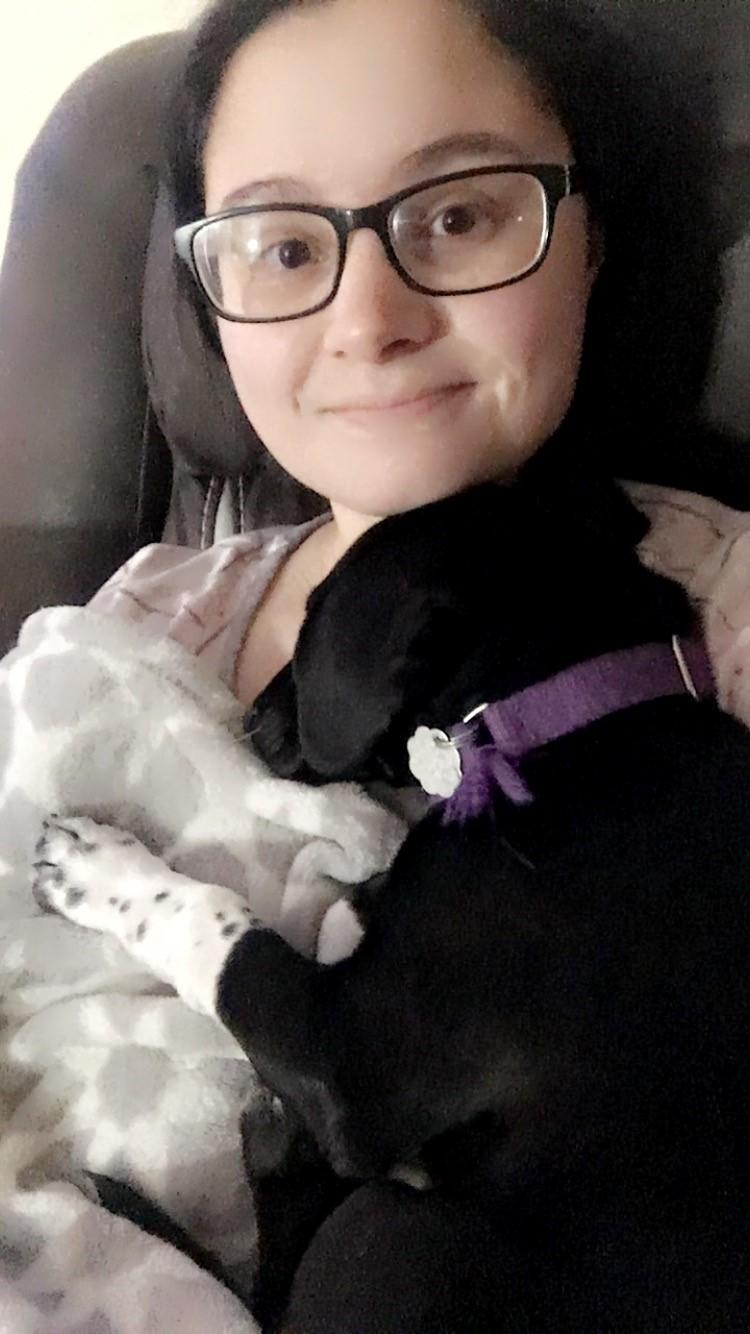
374, 309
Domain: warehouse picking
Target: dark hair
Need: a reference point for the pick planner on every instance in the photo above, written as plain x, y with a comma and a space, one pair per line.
643, 122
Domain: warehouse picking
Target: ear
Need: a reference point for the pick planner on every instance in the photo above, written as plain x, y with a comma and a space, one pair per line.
359, 665
271, 724
387, 628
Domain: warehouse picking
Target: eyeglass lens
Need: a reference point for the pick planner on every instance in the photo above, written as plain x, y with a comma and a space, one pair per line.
457, 235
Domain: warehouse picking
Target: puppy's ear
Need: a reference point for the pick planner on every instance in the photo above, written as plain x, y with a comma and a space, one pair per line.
271, 725
364, 654
361, 664
321, 717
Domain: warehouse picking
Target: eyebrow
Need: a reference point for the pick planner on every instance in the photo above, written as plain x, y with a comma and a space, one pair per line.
435, 154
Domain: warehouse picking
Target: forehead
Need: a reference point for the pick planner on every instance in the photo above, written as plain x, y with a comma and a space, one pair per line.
342, 97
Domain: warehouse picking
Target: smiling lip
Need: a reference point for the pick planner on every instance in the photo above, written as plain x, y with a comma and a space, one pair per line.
420, 403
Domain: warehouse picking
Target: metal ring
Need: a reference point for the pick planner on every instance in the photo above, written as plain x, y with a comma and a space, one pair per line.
684, 669
475, 712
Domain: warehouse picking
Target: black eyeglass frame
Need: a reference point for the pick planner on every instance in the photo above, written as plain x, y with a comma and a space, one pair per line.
558, 180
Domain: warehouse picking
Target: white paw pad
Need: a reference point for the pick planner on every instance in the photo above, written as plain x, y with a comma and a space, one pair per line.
104, 879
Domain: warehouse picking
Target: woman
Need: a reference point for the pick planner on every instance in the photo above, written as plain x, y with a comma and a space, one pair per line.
519, 293
604, 347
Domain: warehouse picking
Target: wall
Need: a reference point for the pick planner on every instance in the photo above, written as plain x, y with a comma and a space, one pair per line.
46, 45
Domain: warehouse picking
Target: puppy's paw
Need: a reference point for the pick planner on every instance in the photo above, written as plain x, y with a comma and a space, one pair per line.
79, 865
104, 879
341, 933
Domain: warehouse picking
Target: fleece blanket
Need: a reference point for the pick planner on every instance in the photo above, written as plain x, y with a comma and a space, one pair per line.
102, 1068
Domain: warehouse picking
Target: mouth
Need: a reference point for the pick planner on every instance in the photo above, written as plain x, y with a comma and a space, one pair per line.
420, 406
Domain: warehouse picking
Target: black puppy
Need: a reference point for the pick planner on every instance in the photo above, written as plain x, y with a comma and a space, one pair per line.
551, 1001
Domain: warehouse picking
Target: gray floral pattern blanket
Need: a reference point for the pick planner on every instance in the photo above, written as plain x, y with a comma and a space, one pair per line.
103, 1069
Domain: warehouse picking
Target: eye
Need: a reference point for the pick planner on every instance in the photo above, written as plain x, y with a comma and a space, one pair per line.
292, 253
457, 219
452, 224
476, 217
276, 243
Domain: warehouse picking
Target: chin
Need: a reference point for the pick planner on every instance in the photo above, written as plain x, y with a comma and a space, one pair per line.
380, 479
397, 497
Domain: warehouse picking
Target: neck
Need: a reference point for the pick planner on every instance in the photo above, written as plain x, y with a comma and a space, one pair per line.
348, 526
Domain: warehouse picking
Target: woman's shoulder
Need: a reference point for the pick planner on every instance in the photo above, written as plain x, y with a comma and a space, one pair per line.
690, 535
705, 546
194, 595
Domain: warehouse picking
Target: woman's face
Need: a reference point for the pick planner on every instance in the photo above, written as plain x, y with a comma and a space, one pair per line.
338, 96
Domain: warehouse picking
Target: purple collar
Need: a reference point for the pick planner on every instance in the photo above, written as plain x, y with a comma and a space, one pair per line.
484, 752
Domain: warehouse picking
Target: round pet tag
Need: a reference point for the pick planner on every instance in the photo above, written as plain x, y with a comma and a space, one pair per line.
435, 762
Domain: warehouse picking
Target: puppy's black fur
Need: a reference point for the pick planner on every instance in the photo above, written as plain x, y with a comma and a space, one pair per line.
551, 1003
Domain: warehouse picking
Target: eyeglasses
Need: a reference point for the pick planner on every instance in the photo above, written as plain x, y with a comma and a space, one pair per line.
470, 231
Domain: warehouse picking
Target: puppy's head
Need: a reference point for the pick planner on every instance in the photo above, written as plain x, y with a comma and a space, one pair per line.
437, 610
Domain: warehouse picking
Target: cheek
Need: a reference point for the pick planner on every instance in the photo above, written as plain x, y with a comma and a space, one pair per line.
531, 325
265, 370
527, 340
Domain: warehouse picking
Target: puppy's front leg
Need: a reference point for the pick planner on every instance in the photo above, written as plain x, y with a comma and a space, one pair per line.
103, 878
289, 1015
206, 943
